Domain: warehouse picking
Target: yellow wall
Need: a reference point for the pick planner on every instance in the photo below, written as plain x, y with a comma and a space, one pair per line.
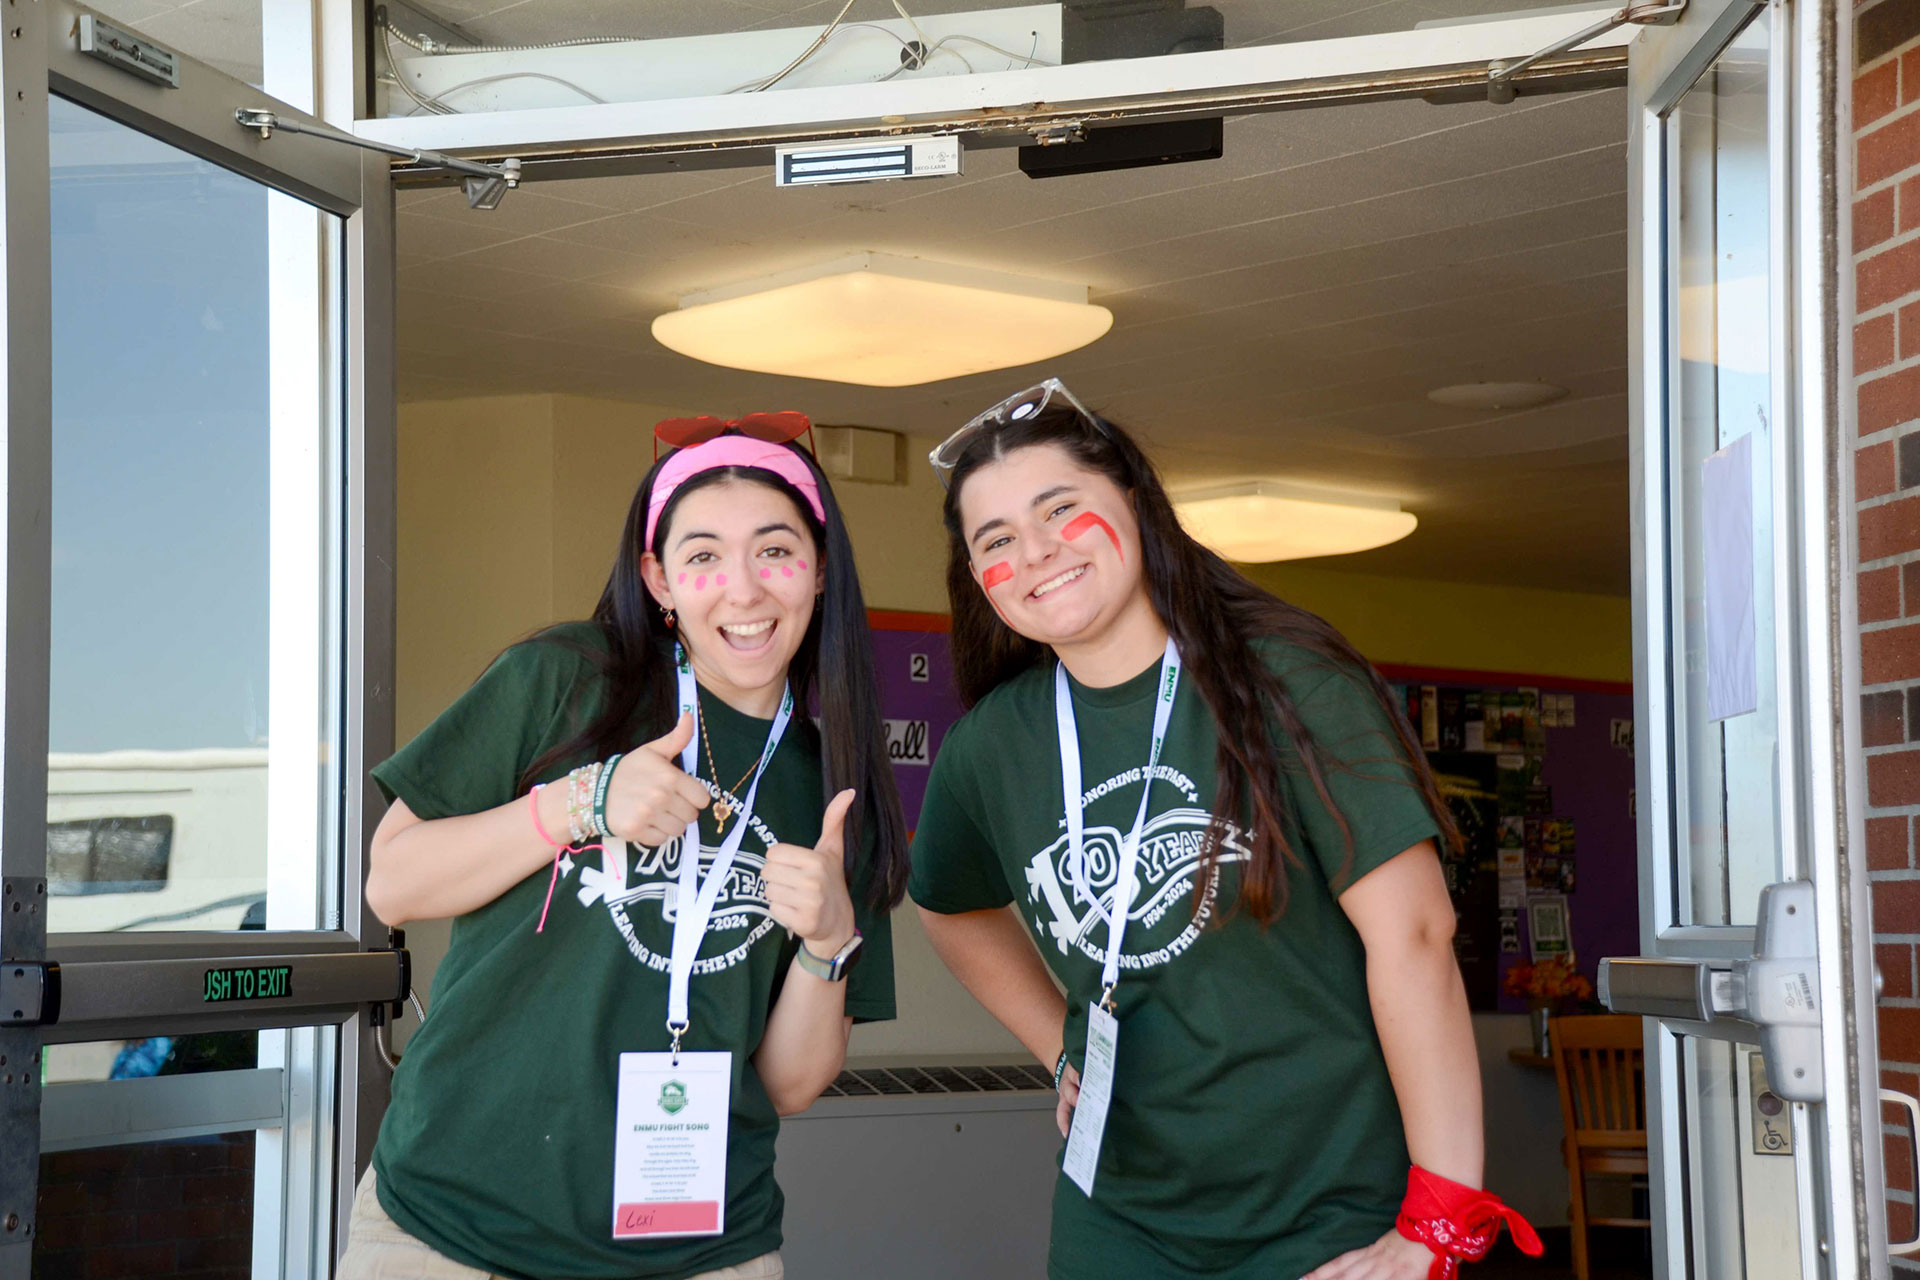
1464, 625
475, 544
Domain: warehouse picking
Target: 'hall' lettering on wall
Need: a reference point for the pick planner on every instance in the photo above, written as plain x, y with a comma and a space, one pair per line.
907, 741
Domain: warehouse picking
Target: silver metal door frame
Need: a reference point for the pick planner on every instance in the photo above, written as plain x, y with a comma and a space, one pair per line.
1841, 1187
39, 56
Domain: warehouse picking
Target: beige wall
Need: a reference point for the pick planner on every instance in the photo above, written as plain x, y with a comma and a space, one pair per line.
510, 510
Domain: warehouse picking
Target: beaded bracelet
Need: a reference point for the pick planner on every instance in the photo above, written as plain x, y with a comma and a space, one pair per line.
600, 787
580, 800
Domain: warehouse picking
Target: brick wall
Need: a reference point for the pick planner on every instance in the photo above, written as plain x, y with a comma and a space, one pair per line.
182, 1209
1886, 349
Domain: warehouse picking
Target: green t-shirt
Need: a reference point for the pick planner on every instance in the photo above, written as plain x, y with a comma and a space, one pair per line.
1253, 1130
497, 1149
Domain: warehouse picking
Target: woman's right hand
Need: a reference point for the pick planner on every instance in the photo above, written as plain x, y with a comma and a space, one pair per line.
1069, 1098
651, 798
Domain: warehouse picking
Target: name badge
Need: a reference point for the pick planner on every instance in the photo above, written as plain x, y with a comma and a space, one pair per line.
1096, 1091
670, 1145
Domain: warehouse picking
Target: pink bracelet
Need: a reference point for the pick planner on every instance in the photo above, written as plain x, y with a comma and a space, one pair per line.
533, 807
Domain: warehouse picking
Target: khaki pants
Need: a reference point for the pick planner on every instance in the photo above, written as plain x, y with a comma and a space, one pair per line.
377, 1249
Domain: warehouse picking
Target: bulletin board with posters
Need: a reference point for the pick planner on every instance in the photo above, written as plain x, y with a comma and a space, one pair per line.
1539, 774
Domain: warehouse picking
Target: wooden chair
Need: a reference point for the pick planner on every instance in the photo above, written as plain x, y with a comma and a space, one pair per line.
1600, 1066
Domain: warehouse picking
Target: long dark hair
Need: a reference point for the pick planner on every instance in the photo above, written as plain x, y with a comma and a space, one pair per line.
1214, 615
835, 656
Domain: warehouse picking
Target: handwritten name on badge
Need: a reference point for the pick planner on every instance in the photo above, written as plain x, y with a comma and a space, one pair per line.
670, 1144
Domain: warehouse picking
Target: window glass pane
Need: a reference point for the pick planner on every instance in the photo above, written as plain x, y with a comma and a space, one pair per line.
176, 1208
148, 1056
1721, 449
181, 562
1744, 1219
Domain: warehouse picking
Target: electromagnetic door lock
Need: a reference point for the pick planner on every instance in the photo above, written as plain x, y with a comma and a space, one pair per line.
1778, 990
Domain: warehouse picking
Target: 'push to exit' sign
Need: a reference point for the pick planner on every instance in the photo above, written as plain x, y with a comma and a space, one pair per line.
263, 983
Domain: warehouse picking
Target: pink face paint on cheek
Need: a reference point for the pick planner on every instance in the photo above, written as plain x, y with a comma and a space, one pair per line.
766, 573
700, 583
719, 579
801, 563
996, 574
1088, 520
786, 571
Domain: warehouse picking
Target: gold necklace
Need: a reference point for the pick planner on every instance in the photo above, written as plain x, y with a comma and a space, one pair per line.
722, 808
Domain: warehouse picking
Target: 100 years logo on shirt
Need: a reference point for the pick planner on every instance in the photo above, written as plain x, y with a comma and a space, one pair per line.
654, 879
1170, 846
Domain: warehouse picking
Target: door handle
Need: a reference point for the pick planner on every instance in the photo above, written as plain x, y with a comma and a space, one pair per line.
1901, 1248
1777, 991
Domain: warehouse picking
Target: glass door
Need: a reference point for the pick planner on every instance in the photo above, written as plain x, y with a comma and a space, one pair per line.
194, 663
1750, 981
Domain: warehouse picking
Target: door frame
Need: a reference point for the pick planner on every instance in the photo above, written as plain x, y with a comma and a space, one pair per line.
1009, 107
39, 58
1815, 615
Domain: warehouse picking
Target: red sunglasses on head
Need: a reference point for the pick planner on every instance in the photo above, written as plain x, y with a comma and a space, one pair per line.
775, 428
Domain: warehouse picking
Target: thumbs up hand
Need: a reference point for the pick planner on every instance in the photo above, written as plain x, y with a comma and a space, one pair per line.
807, 888
651, 799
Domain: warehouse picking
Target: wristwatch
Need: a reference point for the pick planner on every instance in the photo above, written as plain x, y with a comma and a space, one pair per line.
834, 970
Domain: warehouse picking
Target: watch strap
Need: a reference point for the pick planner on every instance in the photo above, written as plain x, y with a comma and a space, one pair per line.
833, 970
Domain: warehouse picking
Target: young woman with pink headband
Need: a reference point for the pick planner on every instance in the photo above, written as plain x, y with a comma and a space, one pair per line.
669, 892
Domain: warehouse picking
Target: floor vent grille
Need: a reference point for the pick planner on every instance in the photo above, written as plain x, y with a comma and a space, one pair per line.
867, 1082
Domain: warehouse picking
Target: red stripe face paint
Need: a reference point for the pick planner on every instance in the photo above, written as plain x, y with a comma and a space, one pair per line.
1088, 520
995, 575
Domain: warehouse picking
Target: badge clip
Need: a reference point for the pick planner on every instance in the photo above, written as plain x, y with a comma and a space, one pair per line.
677, 1029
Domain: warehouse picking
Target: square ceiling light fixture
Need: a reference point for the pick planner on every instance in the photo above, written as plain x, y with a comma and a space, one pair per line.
882, 321
1263, 520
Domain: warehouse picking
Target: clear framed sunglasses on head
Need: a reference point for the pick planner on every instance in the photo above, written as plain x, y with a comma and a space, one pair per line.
1020, 407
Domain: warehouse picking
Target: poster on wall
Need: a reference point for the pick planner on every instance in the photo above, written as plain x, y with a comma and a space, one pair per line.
1467, 782
1547, 929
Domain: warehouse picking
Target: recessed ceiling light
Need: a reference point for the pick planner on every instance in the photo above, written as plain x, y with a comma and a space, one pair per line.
1488, 396
882, 321
1264, 520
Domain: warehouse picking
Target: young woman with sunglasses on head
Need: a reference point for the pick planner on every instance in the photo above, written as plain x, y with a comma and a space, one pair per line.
1221, 833
669, 892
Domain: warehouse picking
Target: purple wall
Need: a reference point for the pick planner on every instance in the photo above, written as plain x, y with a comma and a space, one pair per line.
1592, 783
901, 654
1591, 780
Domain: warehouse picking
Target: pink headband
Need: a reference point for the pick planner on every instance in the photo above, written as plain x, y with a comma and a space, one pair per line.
731, 451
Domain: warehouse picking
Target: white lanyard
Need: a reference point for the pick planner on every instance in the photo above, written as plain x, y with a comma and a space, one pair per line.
697, 895
1116, 917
